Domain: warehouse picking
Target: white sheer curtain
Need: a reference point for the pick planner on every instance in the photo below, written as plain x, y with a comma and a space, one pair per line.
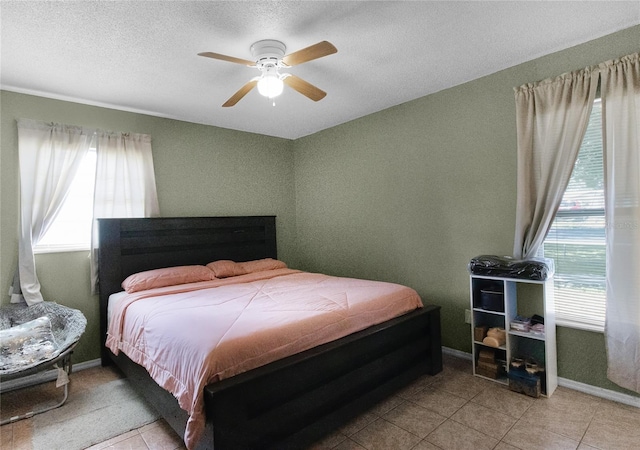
621, 127
552, 117
49, 156
125, 184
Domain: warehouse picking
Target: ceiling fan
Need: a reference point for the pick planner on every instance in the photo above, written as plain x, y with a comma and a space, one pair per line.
269, 58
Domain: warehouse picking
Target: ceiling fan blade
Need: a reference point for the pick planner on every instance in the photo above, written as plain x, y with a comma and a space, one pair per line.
232, 59
310, 53
244, 90
306, 89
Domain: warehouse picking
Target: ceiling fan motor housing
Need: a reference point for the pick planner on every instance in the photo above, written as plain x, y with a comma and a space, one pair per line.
268, 52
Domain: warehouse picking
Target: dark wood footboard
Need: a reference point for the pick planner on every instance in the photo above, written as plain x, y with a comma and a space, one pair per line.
292, 402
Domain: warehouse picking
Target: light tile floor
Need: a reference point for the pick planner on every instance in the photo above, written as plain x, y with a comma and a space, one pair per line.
452, 410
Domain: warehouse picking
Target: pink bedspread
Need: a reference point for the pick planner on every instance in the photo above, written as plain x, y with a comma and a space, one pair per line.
191, 335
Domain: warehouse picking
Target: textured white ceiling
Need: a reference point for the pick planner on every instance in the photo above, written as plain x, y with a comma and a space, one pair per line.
142, 55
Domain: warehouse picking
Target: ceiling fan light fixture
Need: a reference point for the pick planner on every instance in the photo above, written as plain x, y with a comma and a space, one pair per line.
270, 84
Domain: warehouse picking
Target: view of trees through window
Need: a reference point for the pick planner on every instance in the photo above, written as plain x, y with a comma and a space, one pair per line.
576, 240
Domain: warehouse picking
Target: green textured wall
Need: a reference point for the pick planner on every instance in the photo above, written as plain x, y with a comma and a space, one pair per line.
411, 193
200, 170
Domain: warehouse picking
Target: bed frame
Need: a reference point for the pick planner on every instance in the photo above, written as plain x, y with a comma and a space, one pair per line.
291, 402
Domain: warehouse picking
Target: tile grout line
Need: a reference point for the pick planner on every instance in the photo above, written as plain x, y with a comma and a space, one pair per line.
590, 422
516, 423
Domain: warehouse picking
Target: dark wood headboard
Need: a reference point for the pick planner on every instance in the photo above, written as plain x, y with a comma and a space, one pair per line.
128, 246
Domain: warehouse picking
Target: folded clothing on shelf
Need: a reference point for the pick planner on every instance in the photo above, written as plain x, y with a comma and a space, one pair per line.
520, 323
538, 328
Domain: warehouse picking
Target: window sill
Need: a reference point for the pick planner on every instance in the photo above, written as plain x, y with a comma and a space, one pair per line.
65, 249
580, 326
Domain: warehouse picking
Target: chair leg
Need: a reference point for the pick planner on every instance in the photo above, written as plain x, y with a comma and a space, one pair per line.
66, 367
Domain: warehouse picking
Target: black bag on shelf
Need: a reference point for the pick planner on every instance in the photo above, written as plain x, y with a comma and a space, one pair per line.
538, 269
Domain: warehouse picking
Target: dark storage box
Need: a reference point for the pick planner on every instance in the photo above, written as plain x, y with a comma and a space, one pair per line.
492, 300
490, 370
479, 333
487, 372
525, 383
487, 355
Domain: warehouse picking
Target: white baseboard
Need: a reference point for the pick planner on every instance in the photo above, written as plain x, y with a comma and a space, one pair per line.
607, 394
457, 353
43, 377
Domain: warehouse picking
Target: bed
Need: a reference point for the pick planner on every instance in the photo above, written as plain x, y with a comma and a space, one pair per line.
287, 403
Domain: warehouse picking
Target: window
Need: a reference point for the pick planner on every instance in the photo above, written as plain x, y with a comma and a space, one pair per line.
71, 229
576, 239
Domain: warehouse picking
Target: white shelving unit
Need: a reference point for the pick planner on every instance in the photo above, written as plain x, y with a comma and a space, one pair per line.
536, 298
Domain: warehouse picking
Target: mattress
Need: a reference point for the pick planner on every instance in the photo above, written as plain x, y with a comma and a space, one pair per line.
191, 335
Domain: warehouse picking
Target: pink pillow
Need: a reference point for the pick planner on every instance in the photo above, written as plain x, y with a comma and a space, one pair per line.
260, 265
225, 268
169, 276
